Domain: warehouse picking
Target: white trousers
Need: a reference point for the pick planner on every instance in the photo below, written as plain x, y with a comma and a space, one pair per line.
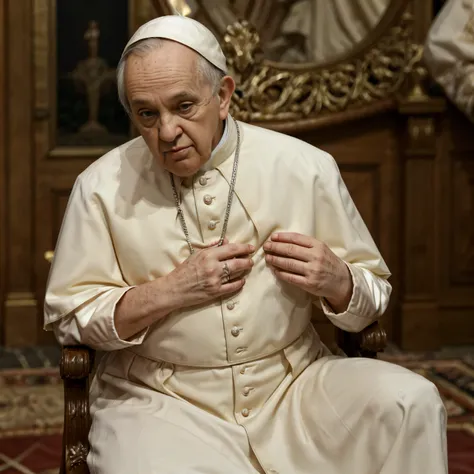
336, 416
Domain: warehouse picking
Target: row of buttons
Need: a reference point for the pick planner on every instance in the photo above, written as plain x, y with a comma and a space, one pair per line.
235, 331
208, 201
245, 412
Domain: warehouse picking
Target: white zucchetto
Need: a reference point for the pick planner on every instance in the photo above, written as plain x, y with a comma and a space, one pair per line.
186, 31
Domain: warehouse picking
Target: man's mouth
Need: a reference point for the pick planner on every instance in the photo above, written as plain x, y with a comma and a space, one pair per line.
177, 149
178, 152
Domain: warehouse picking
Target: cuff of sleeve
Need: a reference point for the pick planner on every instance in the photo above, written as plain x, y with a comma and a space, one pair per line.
100, 332
358, 312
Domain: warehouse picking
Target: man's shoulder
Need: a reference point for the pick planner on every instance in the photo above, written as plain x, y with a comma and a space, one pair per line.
106, 171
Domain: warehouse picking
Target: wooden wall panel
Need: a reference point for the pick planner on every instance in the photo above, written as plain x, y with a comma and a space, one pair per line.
3, 164
20, 319
363, 183
456, 214
419, 317
461, 269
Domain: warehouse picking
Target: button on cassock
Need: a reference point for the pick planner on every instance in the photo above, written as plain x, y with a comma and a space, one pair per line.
230, 306
203, 181
207, 199
212, 225
245, 412
235, 331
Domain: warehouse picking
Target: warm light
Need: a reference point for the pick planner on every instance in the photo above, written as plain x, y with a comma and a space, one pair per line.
181, 7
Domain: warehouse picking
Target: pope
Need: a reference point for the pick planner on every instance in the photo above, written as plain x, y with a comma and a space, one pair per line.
193, 256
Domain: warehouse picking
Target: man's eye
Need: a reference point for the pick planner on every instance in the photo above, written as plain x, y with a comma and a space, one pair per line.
146, 114
186, 107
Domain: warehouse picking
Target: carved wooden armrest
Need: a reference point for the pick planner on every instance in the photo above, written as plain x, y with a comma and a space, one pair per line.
366, 343
75, 367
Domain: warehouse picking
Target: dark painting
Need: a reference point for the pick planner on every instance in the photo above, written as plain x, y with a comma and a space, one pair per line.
91, 35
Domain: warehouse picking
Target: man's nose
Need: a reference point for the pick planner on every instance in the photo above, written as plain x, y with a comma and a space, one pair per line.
169, 129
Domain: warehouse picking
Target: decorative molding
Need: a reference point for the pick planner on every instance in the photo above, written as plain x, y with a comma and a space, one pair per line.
75, 367
20, 299
76, 362
76, 455
373, 339
269, 93
78, 152
421, 137
367, 343
78, 409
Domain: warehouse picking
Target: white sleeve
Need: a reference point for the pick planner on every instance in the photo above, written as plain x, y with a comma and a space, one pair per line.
85, 282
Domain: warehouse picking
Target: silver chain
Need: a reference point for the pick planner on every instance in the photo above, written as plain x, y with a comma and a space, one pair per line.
229, 198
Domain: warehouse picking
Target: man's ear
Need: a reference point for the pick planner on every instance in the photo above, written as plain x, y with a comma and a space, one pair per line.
225, 96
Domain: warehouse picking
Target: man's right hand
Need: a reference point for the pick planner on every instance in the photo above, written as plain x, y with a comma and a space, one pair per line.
203, 277
199, 279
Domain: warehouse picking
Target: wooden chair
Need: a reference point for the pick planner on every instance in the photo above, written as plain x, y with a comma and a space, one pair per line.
76, 366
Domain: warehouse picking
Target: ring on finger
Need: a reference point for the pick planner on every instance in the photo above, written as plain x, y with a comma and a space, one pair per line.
226, 276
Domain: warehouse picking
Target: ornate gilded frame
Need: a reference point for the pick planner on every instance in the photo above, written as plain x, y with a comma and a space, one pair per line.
368, 80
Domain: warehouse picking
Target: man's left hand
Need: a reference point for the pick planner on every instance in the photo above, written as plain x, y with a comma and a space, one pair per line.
311, 265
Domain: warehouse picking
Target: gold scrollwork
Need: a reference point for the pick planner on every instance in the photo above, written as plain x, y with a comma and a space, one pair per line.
267, 93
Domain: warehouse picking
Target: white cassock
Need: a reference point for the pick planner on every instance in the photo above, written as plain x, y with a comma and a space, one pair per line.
242, 384
449, 53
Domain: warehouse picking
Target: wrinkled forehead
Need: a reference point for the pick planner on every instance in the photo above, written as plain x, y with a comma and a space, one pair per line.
170, 72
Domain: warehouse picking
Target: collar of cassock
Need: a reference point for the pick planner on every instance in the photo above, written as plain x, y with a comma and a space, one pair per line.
223, 151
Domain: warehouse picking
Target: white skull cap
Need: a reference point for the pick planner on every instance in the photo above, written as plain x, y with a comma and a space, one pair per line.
186, 31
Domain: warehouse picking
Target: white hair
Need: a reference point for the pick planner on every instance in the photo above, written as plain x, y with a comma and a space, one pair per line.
206, 70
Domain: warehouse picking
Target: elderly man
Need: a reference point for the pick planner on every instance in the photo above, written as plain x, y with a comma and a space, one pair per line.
193, 255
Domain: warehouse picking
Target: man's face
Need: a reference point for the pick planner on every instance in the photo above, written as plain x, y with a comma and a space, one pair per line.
174, 108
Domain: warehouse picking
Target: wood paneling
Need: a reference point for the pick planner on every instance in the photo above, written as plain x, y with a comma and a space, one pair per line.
456, 214
20, 313
3, 165
363, 183
461, 270
419, 317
